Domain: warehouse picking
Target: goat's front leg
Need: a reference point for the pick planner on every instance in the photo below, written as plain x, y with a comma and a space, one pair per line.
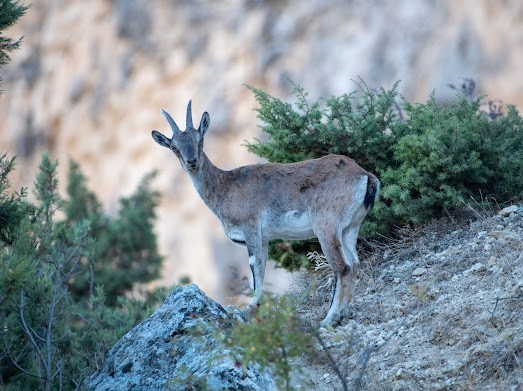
258, 253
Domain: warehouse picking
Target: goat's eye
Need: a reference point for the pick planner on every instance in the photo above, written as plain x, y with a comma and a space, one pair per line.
172, 147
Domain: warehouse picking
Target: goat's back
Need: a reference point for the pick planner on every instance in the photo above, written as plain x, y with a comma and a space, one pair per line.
296, 186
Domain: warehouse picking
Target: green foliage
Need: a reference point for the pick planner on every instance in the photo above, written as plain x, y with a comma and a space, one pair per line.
13, 207
450, 154
430, 157
35, 267
272, 339
51, 339
97, 327
10, 12
360, 128
125, 250
292, 255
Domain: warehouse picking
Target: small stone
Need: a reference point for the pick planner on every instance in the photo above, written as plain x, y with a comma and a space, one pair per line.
496, 270
487, 247
396, 280
399, 372
477, 267
418, 272
505, 212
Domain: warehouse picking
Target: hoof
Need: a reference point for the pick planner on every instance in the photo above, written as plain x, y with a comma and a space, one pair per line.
330, 321
345, 313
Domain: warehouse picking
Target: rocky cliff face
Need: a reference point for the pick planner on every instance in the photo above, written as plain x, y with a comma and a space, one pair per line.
90, 79
163, 351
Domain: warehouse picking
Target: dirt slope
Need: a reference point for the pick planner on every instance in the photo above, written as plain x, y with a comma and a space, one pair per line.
441, 309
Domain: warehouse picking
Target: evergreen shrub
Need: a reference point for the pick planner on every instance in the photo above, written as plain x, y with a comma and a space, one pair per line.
125, 250
51, 338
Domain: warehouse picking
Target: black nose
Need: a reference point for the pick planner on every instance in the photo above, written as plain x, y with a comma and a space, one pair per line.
191, 163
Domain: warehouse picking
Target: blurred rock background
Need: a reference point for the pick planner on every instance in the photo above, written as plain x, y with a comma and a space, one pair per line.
90, 78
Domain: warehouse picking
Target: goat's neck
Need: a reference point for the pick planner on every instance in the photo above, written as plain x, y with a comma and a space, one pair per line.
207, 182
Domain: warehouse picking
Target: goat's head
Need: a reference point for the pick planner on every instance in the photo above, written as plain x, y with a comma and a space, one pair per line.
188, 145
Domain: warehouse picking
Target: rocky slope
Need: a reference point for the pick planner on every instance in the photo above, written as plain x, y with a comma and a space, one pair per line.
90, 78
441, 309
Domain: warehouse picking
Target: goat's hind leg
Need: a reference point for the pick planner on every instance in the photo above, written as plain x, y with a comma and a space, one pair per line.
331, 245
349, 238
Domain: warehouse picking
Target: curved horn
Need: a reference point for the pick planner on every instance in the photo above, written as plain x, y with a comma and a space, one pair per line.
169, 119
188, 119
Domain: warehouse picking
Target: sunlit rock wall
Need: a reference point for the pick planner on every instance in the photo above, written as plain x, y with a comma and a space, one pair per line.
91, 76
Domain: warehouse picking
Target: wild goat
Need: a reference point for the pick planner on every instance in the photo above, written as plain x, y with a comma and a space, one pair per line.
325, 198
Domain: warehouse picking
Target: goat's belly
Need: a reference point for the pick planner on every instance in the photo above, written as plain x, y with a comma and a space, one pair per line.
236, 236
293, 225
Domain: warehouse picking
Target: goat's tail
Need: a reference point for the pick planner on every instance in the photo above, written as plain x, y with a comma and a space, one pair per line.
373, 188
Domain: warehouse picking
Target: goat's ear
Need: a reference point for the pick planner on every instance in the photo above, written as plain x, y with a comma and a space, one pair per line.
161, 139
204, 124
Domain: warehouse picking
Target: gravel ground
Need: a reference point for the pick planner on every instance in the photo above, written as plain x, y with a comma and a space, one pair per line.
439, 309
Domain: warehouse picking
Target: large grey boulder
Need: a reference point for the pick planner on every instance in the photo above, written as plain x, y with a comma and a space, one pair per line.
166, 351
